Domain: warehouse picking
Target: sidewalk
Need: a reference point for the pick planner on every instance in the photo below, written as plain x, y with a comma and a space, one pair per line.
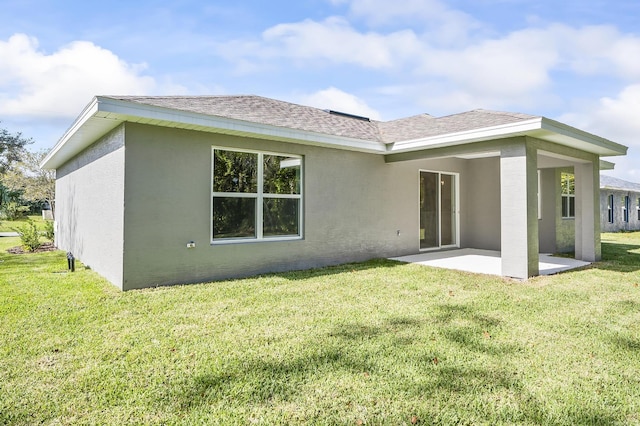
8, 234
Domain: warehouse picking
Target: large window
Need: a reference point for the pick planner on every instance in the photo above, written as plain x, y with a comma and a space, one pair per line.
256, 196
568, 195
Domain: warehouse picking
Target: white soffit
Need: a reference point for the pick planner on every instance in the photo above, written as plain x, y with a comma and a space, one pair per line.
479, 155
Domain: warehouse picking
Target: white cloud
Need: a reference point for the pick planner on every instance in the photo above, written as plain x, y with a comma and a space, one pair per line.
599, 49
507, 67
336, 99
440, 23
614, 118
33, 83
335, 40
517, 68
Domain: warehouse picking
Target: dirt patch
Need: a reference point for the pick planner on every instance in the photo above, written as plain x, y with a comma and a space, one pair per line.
43, 248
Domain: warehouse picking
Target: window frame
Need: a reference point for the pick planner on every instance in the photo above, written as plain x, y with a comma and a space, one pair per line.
259, 198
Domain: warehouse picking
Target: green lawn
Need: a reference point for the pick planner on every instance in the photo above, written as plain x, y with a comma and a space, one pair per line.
372, 343
9, 226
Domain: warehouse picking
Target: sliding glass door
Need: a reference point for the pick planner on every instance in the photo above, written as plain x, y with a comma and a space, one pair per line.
438, 210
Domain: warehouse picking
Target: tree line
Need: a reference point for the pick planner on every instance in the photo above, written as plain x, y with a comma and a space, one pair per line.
24, 186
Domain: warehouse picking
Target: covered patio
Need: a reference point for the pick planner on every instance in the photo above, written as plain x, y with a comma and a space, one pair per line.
486, 261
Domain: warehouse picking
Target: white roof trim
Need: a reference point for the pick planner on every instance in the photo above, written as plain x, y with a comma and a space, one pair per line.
61, 148
104, 114
107, 113
519, 128
606, 165
539, 127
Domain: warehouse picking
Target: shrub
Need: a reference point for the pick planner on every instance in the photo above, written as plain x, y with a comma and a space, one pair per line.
29, 235
13, 210
48, 230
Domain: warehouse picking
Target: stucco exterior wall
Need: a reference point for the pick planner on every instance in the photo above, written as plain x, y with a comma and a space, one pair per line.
619, 223
548, 210
481, 192
90, 206
354, 206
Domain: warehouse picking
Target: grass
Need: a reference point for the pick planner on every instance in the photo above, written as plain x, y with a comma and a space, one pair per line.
370, 343
10, 225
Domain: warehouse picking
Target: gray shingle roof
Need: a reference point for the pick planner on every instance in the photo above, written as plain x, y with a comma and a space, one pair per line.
288, 115
422, 126
261, 110
615, 183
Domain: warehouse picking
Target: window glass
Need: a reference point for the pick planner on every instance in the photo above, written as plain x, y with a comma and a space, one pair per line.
256, 195
610, 208
572, 207
281, 175
235, 171
626, 208
234, 217
281, 216
568, 186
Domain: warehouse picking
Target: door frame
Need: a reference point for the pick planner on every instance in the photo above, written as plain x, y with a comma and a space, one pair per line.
456, 189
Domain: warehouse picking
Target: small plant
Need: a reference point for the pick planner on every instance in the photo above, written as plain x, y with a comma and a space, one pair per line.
13, 210
29, 235
49, 233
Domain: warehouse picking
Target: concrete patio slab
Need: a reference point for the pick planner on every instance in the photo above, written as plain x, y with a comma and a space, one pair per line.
485, 261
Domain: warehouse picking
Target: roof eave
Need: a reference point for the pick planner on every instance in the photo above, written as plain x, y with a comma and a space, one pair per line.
64, 145
538, 127
520, 128
601, 146
606, 165
110, 112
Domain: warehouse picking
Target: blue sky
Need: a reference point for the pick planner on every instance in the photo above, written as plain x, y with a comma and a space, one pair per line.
573, 61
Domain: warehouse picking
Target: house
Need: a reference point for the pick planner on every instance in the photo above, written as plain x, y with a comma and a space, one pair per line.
164, 190
620, 205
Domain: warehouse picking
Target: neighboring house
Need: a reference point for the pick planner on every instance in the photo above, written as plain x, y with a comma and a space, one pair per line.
164, 190
620, 205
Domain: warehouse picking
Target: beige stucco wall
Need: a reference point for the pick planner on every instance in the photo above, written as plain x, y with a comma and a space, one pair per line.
548, 209
354, 206
481, 193
90, 206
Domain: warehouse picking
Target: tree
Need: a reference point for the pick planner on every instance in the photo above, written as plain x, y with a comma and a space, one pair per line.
34, 183
11, 148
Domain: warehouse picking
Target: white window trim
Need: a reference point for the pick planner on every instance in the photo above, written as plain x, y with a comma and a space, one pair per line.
259, 197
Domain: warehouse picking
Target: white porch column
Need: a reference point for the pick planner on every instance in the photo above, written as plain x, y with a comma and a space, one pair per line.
519, 211
587, 221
